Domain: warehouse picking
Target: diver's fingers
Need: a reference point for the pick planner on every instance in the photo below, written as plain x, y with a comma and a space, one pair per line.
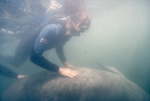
73, 74
68, 72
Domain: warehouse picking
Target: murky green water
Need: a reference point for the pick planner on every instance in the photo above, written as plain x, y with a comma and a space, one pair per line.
118, 36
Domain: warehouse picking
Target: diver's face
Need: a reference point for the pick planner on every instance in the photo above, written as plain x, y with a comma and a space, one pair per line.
73, 32
76, 33
83, 28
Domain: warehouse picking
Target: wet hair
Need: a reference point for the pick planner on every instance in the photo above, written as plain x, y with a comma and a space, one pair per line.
85, 23
79, 24
82, 21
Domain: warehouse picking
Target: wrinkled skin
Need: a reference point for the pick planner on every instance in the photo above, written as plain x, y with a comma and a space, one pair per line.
89, 85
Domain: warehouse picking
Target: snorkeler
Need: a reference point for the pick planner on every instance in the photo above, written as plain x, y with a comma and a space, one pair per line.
55, 36
76, 23
58, 10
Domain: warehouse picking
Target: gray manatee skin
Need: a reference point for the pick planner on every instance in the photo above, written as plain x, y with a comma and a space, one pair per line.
89, 85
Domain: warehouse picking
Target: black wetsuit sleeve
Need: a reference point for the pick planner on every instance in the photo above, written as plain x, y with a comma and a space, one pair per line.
7, 72
43, 62
60, 53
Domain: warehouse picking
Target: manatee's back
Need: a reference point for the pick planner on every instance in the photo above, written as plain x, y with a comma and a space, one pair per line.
89, 85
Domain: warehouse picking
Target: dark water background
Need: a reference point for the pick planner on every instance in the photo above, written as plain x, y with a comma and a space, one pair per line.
119, 36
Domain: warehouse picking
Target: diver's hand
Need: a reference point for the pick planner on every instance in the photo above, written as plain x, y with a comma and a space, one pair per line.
68, 65
68, 72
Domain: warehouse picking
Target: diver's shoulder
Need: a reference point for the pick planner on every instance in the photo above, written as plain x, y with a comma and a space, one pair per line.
52, 27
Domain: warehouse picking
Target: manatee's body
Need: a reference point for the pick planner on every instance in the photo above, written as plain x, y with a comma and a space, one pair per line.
89, 85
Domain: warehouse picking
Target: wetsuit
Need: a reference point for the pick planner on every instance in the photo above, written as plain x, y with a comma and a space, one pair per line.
51, 36
7, 72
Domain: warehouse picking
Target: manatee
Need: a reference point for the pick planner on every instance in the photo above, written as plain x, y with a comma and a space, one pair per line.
89, 85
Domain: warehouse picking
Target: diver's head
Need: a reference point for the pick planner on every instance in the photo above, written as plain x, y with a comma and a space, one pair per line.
69, 26
78, 25
85, 24
82, 22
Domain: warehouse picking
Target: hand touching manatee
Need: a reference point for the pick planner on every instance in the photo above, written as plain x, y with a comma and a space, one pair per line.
68, 65
68, 72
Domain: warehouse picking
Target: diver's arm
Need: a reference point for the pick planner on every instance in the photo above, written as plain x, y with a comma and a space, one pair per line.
61, 55
41, 61
68, 65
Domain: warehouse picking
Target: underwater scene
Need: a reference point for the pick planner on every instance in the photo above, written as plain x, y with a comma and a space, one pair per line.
74, 50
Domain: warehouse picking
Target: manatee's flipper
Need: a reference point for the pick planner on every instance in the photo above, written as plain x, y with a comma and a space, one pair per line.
111, 69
